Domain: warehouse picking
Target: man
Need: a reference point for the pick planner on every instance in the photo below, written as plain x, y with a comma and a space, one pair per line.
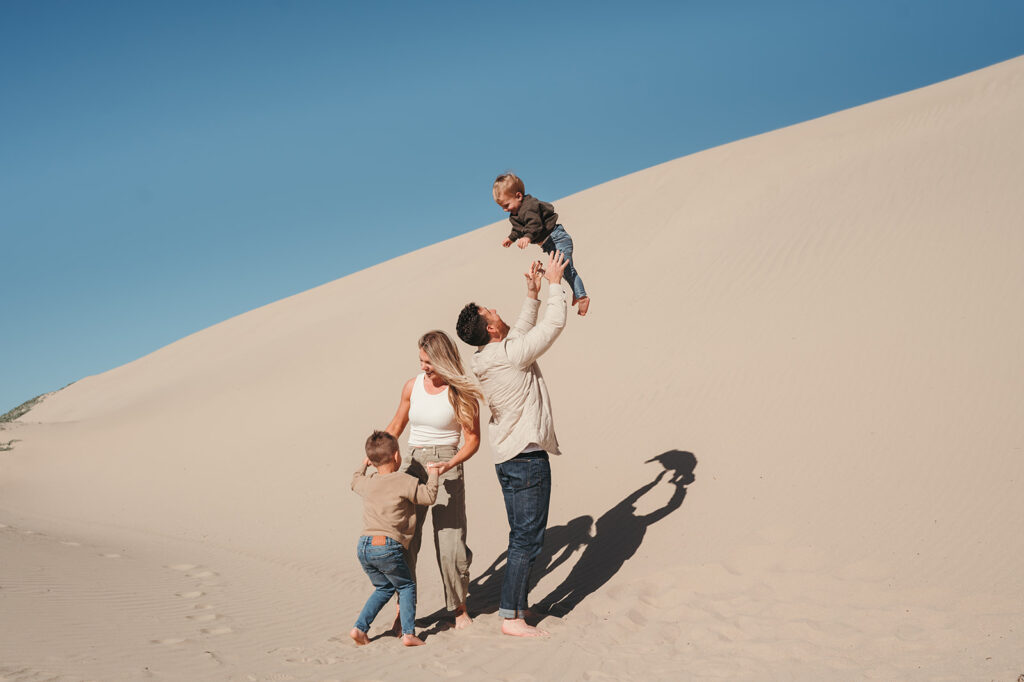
522, 431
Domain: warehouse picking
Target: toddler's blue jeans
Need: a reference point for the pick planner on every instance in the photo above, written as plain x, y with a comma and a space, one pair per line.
561, 241
389, 572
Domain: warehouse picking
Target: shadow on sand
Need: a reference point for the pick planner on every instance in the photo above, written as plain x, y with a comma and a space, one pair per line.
617, 535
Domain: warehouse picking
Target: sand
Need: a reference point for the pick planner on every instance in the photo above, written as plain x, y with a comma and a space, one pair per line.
793, 427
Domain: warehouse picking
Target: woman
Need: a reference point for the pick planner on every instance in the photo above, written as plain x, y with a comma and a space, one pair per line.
441, 406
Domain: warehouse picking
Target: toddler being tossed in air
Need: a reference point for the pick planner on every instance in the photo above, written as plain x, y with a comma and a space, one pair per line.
535, 222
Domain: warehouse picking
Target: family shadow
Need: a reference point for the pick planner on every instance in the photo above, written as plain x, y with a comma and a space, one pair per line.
605, 544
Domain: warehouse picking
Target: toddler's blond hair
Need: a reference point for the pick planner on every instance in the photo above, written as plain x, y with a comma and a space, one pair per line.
507, 183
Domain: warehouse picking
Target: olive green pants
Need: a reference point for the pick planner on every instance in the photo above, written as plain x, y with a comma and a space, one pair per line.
448, 518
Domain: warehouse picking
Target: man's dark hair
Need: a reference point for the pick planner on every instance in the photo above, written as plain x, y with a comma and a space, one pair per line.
380, 446
471, 327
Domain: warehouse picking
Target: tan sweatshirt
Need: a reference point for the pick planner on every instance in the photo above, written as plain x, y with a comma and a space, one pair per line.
389, 502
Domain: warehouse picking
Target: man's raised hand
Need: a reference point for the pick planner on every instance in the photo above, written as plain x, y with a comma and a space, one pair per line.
533, 279
555, 267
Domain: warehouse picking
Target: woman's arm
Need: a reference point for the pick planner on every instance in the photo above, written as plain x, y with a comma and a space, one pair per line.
401, 418
470, 444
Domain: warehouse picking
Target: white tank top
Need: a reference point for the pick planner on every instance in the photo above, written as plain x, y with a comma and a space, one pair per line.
431, 417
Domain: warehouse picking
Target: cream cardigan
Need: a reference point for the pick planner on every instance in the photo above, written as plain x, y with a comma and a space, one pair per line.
512, 382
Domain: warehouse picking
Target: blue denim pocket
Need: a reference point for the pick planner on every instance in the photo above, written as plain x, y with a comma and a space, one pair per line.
384, 552
523, 472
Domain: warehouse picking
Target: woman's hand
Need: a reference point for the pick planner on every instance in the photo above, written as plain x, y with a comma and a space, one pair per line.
441, 467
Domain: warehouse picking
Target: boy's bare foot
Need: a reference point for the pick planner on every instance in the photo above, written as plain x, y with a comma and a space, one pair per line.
584, 304
359, 637
412, 640
462, 619
517, 627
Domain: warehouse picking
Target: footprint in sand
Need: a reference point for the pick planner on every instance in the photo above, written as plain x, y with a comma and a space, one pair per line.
294, 654
216, 657
223, 630
637, 617
111, 556
71, 543
205, 617
192, 572
169, 641
194, 594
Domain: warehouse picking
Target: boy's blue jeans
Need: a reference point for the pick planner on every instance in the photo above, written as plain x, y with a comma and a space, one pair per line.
561, 241
526, 485
389, 572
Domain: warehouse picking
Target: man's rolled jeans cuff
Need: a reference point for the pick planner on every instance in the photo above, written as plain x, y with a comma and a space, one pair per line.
511, 613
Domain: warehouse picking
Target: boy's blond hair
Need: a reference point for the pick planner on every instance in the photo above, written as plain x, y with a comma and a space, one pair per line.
507, 183
381, 447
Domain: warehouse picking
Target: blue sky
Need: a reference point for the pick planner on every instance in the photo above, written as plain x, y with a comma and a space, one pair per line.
166, 166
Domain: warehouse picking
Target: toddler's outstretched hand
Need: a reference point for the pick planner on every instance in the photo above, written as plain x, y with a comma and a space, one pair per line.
507, 243
523, 242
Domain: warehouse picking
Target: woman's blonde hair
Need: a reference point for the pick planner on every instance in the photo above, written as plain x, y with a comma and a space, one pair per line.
463, 392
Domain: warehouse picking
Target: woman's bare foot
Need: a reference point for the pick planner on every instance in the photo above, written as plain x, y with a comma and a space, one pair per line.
517, 627
412, 640
359, 637
462, 619
584, 304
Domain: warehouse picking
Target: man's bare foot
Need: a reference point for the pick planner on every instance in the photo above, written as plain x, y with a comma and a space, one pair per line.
359, 637
412, 640
517, 627
462, 619
584, 304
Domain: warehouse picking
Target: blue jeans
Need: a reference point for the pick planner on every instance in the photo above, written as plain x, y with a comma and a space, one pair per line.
561, 241
526, 485
388, 571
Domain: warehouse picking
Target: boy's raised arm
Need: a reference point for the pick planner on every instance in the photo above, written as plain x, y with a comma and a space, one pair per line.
426, 493
359, 477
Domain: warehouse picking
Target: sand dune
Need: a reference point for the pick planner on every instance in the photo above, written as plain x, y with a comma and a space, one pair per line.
792, 427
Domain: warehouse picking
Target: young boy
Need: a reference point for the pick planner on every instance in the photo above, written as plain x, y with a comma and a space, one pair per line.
535, 222
389, 519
